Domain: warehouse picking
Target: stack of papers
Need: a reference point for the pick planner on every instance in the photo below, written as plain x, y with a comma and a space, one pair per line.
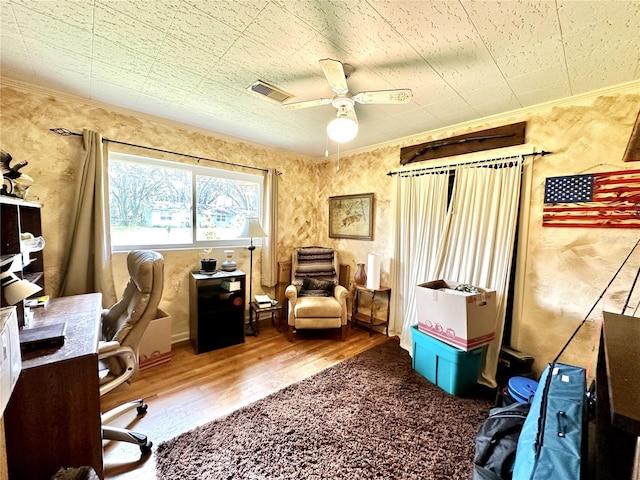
263, 300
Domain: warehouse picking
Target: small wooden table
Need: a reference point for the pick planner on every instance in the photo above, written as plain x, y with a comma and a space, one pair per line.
370, 319
257, 310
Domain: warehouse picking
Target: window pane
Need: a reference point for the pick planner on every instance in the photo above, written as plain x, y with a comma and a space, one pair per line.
223, 204
150, 204
152, 200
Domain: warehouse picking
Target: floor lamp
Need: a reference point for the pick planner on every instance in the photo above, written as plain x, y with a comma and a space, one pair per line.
251, 229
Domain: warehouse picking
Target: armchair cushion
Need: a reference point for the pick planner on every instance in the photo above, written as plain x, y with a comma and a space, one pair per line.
312, 287
315, 262
318, 307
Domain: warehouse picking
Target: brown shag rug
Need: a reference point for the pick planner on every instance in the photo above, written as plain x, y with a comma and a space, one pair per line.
370, 416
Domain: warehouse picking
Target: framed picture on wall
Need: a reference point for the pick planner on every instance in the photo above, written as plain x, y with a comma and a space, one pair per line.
351, 216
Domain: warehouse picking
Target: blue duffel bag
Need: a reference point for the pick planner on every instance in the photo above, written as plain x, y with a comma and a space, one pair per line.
553, 436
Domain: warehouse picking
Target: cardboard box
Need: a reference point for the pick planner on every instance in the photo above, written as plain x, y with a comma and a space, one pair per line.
451, 369
155, 345
466, 321
10, 356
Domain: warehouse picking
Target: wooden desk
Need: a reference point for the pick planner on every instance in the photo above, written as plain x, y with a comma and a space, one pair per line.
618, 397
53, 417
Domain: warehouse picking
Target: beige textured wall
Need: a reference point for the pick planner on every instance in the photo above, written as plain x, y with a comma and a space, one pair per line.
561, 272
25, 119
565, 270
362, 173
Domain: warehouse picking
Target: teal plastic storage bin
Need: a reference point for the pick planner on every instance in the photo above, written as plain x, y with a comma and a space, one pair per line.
453, 370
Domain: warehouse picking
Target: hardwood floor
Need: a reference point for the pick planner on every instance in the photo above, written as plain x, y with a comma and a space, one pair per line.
191, 389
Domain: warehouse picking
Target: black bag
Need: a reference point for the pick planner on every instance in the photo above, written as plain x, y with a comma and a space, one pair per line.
497, 440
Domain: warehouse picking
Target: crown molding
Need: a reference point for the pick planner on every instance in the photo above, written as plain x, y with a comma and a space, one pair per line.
587, 98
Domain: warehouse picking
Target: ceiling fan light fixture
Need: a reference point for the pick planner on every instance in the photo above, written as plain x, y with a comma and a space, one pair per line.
342, 128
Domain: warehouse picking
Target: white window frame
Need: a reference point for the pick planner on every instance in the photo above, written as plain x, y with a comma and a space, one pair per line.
194, 170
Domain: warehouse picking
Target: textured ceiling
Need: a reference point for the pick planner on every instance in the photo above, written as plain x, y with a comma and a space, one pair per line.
192, 60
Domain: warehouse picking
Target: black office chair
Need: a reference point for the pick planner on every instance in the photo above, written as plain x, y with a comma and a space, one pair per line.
122, 328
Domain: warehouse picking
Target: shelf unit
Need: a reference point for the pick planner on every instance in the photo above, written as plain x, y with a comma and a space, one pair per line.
17, 217
216, 310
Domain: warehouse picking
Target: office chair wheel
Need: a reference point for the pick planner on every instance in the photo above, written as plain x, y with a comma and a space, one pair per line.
146, 448
142, 409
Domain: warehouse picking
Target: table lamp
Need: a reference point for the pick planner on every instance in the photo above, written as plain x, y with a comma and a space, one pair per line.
251, 229
15, 289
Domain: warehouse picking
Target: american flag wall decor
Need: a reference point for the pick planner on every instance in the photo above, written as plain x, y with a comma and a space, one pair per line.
595, 200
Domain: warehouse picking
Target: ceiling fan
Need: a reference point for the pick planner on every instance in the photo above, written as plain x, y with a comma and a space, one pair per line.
344, 127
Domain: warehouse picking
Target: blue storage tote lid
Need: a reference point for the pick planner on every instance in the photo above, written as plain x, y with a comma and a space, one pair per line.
522, 388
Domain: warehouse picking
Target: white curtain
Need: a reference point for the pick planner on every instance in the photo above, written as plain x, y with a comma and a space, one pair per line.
477, 245
87, 263
269, 253
420, 207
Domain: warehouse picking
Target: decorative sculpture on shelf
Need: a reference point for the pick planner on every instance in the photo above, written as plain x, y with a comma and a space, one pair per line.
229, 265
14, 183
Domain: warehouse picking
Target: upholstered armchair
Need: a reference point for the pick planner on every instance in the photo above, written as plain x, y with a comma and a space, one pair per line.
316, 300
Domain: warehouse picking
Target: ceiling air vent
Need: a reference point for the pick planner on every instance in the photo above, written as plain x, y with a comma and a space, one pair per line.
269, 91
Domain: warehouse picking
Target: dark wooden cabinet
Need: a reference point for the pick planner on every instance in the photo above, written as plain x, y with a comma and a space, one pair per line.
18, 217
618, 399
52, 419
216, 311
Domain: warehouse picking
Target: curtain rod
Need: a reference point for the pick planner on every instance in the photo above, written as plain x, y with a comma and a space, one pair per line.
419, 171
67, 133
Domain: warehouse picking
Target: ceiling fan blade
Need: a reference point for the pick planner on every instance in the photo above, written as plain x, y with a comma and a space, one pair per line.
400, 95
334, 71
306, 104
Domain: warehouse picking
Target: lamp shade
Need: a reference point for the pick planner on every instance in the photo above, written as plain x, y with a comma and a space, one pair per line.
342, 129
252, 228
373, 271
15, 290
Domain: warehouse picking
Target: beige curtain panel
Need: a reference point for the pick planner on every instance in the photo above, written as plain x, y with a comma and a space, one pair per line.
477, 245
87, 265
269, 252
421, 209
470, 242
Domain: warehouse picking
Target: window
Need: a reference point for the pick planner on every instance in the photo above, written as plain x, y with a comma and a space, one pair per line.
160, 204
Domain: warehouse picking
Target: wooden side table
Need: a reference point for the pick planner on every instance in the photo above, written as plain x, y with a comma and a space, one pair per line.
370, 319
273, 309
